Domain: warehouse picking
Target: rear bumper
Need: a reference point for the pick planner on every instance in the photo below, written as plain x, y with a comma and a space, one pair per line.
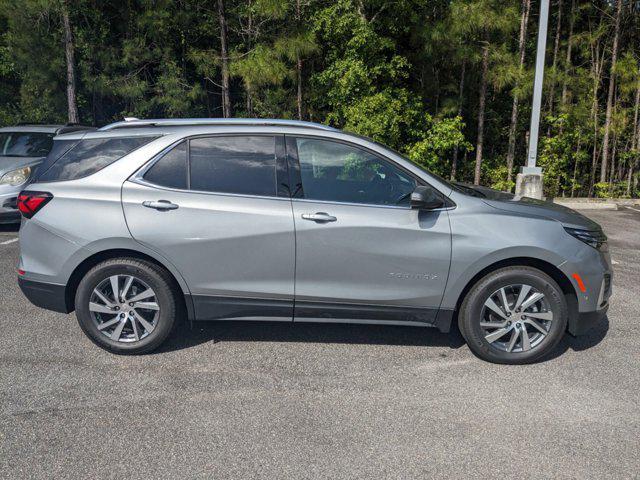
44, 295
585, 321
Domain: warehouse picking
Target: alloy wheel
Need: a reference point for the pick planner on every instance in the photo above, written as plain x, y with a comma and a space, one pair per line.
516, 318
124, 308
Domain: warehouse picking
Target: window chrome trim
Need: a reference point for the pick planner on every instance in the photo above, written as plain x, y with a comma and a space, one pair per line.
370, 205
143, 182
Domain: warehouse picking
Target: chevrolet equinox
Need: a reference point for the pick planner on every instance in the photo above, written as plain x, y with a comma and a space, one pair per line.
145, 221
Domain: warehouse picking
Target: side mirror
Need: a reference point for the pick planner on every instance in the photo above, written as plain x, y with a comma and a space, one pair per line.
424, 198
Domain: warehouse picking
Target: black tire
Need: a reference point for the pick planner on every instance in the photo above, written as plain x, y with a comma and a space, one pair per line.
469, 317
155, 277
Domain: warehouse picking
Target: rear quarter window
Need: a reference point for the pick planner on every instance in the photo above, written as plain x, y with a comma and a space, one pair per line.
171, 170
90, 156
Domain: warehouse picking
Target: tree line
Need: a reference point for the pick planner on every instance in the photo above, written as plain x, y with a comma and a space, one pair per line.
446, 82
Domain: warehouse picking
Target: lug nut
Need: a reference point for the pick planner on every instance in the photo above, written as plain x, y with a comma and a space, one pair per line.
131, 304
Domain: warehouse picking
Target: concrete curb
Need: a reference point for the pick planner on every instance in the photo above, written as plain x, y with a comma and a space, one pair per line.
588, 205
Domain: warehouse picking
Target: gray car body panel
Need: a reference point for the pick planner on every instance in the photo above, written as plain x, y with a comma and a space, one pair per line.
259, 253
224, 245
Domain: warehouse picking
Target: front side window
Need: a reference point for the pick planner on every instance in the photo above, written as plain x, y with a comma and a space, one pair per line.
244, 165
25, 144
89, 156
336, 172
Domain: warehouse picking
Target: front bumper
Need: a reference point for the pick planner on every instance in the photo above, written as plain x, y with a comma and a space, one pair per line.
9, 217
9, 212
583, 322
45, 295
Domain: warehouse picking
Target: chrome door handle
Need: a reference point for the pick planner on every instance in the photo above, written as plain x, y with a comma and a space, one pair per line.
319, 217
161, 205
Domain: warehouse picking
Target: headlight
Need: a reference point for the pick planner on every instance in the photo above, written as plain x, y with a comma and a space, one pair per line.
595, 238
16, 177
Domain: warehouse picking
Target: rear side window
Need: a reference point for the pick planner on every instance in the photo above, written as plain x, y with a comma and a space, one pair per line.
90, 156
243, 165
171, 170
60, 147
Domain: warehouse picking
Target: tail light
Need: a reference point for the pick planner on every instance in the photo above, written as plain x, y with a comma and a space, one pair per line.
30, 203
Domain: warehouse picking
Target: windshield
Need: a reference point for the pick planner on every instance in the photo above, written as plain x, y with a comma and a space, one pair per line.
25, 144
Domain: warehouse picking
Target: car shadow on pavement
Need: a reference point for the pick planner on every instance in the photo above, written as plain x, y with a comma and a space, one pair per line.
235, 331
231, 331
590, 339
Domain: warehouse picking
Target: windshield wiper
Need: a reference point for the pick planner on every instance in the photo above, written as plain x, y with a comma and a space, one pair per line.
468, 190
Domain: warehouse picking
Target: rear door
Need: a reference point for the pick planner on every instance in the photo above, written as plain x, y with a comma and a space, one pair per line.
211, 206
362, 253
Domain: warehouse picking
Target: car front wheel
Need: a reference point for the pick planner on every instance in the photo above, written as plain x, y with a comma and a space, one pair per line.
514, 315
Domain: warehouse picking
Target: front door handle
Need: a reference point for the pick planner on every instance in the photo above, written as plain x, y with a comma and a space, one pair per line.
319, 217
161, 205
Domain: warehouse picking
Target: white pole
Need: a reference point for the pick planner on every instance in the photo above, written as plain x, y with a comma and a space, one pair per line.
537, 89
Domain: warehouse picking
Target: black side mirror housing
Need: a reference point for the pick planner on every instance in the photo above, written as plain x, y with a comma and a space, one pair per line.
424, 198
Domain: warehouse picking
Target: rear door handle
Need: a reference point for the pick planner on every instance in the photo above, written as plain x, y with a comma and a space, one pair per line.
161, 205
319, 217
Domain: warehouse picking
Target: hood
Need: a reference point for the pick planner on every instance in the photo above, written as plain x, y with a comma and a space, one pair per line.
531, 206
8, 164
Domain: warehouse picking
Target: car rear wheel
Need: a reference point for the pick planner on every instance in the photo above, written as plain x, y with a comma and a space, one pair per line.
126, 305
514, 315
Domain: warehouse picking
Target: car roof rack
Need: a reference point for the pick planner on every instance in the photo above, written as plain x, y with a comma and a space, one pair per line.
132, 122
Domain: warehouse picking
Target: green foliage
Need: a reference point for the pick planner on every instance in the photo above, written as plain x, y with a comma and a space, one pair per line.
497, 176
404, 73
611, 190
389, 117
439, 139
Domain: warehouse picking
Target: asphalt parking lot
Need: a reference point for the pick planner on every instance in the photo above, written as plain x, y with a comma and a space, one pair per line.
235, 400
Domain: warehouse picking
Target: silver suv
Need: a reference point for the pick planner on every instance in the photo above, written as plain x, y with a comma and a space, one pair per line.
22, 149
144, 222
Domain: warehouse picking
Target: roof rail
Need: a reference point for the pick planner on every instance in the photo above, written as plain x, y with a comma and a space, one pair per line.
131, 122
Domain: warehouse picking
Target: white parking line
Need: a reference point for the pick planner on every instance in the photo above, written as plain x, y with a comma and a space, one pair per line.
7, 242
634, 209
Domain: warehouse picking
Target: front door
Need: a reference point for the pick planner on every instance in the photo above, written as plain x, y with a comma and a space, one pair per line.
211, 206
362, 254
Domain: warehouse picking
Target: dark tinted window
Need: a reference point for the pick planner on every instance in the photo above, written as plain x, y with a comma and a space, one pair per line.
337, 172
25, 144
242, 165
171, 170
89, 156
60, 147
